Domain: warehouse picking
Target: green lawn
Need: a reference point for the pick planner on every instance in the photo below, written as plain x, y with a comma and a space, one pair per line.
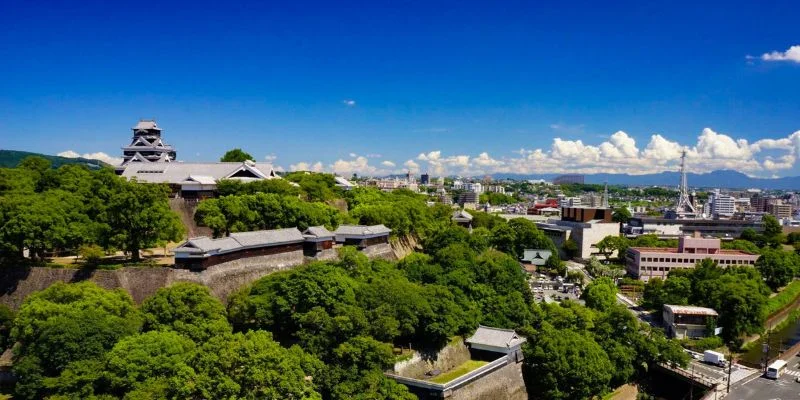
462, 369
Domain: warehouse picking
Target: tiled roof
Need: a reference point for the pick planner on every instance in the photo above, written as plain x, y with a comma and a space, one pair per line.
270, 237
145, 124
201, 179
240, 240
177, 172
461, 214
360, 230
319, 232
496, 337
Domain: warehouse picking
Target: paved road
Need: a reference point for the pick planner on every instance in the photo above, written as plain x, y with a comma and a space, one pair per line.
759, 388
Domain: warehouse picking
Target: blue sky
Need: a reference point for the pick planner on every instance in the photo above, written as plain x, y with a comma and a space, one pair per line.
376, 87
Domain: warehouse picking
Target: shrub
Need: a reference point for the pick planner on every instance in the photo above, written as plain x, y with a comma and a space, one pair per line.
91, 253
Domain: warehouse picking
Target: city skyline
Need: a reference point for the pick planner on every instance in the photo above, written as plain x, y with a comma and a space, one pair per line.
450, 89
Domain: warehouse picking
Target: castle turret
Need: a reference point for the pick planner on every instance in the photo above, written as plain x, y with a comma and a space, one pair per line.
147, 145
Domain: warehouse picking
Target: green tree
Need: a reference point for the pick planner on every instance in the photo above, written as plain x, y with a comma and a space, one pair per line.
778, 267
504, 238
6, 320
621, 214
570, 248
528, 236
773, 232
64, 324
565, 364
251, 365
600, 294
236, 155
140, 217
150, 360
186, 308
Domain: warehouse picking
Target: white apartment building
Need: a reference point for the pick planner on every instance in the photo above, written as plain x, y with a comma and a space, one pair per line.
496, 189
721, 205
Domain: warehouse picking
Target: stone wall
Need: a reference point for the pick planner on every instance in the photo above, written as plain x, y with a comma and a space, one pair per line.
381, 250
141, 282
504, 384
452, 355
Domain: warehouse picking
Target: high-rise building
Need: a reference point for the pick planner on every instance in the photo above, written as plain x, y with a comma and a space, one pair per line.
721, 205
780, 211
147, 145
424, 179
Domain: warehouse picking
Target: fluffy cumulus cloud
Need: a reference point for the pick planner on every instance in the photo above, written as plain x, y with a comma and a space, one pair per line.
618, 154
92, 156
792, 55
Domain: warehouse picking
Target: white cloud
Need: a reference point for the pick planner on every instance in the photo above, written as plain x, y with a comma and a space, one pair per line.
618, 154
353, 155
92, 156
661, 149
792, 54
620, 145
304, 166
412, 166
349, 102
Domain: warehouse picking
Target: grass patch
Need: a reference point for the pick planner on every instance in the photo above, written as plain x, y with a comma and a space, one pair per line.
783, 298
462, 369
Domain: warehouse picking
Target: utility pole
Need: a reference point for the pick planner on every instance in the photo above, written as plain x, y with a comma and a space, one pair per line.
730, 365
691, 385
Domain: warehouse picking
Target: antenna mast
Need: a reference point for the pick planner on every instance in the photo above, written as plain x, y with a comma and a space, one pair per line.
684, 203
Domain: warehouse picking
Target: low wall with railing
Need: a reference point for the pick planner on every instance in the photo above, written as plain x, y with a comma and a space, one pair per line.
505, 382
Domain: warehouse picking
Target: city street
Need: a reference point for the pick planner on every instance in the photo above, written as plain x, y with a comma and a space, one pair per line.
759, 388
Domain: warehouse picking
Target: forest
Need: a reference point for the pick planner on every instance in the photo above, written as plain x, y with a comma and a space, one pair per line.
326, 330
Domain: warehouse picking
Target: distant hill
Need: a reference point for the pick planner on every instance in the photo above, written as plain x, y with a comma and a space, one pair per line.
716, 179
11, 158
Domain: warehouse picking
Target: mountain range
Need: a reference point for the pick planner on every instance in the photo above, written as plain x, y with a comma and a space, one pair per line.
11, 158
726, 179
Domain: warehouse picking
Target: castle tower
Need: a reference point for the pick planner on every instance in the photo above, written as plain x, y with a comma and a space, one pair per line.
147, 145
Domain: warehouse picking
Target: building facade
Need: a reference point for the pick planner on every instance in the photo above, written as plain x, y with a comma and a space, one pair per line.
668, 227
687, 321
645, 263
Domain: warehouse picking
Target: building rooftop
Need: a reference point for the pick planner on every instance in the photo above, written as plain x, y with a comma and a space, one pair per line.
144, 124
496, 337
362, 230
240, 240
178, 172
674, 250
268, 237
318, 232
690, 310
462, 215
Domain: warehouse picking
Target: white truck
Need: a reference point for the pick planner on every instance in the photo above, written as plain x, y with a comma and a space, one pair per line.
713, 357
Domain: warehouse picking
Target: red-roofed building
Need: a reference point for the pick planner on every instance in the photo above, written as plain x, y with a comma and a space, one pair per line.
650, 262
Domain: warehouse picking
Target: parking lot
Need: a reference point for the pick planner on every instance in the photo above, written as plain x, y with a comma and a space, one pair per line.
553, 290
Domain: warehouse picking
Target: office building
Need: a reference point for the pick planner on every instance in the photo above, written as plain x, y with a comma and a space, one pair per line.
645, 263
